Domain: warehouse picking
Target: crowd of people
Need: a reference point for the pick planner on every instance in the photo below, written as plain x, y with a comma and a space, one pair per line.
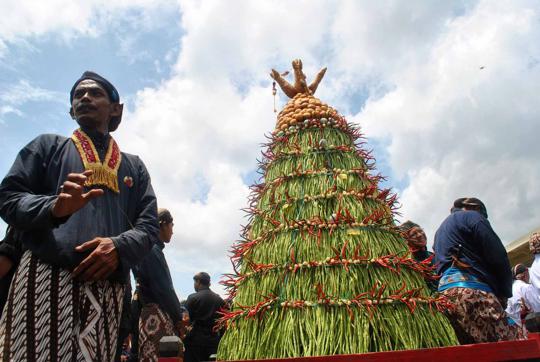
82, 215
490, 299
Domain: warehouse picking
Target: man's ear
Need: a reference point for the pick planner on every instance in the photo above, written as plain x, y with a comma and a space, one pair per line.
117, 109
71, 113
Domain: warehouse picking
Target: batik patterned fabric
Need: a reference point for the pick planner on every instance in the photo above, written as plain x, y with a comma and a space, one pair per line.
153, 325
51, 317
478, 317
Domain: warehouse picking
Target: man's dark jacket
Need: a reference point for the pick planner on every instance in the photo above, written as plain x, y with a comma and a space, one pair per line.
468, 236
155, 283
203, 307
31, 186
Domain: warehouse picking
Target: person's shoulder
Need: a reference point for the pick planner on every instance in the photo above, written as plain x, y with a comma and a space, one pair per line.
130, 156
216, 295
46, 141
51, 137
451, 218
191, 298
465, 217
519, 282
474, 219
134, 161
473, 215
153, 254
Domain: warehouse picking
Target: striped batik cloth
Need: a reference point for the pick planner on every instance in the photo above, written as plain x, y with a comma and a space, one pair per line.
49, 316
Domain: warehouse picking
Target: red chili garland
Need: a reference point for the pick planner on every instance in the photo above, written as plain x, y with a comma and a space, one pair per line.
369, 301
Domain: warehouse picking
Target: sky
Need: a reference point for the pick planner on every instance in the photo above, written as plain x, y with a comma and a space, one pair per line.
446, 93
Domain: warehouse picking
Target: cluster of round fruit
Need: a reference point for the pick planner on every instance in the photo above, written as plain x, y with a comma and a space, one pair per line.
303, 107
312, 123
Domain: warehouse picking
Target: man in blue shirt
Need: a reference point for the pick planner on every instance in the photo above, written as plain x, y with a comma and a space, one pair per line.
475, 274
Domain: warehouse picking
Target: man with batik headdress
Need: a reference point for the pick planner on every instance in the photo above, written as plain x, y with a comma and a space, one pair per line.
161, 313
85, 213
475, 274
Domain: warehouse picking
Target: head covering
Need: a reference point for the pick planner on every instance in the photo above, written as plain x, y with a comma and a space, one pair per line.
416, 241
164, 216
114, 97
534, 243
471, 203
407, 225
202, 277
518, 269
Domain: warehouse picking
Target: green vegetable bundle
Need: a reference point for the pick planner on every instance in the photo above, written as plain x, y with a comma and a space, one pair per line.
321, 268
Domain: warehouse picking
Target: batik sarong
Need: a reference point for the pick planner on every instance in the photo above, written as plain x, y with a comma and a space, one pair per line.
49, 316
153, 325
478, 317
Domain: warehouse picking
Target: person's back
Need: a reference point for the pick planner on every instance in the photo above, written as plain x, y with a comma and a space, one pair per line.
474, 274
156, 295
203, 307
466, 238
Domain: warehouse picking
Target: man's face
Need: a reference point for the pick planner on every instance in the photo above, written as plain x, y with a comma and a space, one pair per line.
524, 276
196, 285
167, 231
91, 106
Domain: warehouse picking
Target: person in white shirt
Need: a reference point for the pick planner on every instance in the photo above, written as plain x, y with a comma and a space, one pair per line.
525, 297
534, 271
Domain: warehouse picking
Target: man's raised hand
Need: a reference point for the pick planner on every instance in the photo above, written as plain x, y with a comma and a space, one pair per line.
72, 197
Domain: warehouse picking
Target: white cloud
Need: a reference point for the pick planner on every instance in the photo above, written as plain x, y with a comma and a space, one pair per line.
458, 130
9, 109
13, 96
67, 19
24, 91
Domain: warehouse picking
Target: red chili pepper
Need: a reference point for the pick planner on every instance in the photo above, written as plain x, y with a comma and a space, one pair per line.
344, 249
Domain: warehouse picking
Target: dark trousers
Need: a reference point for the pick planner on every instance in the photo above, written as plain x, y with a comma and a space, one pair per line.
199, 353
136, 307
122, 335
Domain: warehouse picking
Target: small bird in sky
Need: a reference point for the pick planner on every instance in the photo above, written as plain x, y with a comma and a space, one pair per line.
482, 67
285, 73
